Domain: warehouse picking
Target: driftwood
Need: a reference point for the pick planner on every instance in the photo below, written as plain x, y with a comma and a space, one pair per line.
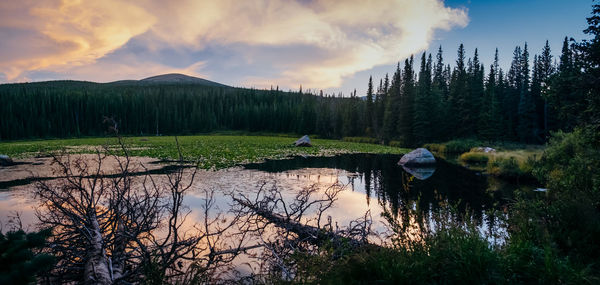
284, 228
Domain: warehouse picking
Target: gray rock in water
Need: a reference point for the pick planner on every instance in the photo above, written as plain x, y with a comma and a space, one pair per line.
5, 160
303, 141
417, 157
420, 173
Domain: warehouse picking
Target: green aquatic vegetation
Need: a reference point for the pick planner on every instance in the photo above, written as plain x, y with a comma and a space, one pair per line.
211, 151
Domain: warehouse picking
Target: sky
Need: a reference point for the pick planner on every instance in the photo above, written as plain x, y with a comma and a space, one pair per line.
320, 44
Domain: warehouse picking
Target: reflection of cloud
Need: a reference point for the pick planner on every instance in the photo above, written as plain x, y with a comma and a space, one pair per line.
315, 43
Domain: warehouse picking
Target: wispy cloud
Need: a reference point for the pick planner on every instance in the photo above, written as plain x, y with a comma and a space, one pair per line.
314, 43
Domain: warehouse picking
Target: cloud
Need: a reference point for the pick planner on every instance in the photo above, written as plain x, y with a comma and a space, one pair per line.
43, 34
314, 43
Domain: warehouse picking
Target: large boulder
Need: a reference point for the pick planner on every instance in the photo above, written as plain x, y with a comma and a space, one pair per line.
417, 157
303, 141
5, 160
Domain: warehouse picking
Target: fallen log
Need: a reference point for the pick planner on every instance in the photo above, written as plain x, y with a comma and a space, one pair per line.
310, 234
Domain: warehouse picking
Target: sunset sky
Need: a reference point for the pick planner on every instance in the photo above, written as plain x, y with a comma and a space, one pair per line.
330, 45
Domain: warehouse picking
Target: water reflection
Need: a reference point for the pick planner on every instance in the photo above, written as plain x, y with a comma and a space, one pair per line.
375, 183
380, 175
421, 173
410, 200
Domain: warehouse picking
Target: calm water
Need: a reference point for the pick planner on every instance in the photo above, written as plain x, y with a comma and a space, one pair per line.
373, 183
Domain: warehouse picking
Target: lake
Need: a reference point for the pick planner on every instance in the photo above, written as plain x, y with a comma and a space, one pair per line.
371, 183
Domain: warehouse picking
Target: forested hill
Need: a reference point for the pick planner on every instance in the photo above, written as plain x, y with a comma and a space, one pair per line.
76, 108
177, 78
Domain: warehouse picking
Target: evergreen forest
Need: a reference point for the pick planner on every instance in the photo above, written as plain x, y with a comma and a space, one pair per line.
424, 100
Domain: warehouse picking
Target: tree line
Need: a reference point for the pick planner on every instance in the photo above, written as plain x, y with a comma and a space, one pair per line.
437, 102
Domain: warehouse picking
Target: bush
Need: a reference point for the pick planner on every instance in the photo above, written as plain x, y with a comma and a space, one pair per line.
19, 264
571, 162
569, 167
505, 167
461, 145
474, 157
453, 146
452, 256
396, 144
436, 147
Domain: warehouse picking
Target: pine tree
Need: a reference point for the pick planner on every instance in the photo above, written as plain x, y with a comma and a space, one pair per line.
526, 128
491, 114
392, 106
475, 96
458, 95
510, 103
439, 93
545, 70
425, 107
369, 109
407, 100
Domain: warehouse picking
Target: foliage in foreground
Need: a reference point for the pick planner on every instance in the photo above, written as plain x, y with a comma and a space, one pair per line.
20, 260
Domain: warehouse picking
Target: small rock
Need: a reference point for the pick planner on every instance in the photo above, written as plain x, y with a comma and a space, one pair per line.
484, 149
5, 160
303, 141
419, 156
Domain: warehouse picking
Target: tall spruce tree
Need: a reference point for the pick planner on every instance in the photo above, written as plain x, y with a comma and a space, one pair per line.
491, 113
369, 109
425, 106
458, 95
545, 70
407, 101
392, 106
439, 93
527, 121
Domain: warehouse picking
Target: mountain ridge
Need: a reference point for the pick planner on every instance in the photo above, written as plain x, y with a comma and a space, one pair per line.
179, 78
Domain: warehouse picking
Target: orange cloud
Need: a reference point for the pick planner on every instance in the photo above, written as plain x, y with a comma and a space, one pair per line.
351, 35
67, 33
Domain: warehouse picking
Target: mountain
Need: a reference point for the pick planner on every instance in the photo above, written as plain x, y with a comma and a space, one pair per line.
177, 78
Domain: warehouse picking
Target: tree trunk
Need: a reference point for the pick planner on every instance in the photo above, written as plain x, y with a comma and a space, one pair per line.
97, 270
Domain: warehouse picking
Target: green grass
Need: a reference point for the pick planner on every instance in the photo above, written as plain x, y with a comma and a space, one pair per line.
474, 157
211, 151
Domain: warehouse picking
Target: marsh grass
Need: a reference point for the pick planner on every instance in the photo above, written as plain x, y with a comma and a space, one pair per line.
212, 151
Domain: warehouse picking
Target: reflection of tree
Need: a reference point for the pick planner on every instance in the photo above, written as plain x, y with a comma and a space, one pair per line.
413, 219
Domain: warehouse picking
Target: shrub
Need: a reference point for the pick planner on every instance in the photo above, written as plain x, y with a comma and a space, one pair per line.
436, 147
20, 260
461, 145
396, 144
569, 167
453, 146
474, 157
505, 167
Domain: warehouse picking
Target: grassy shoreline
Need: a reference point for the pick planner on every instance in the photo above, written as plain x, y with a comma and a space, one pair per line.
507, 160
211, 151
